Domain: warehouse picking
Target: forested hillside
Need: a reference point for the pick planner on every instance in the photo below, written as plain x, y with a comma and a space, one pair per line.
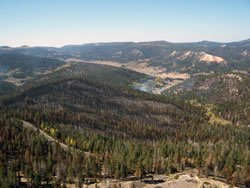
128, 132
228, 93
106, 107
20, 71
27, 65
16, 70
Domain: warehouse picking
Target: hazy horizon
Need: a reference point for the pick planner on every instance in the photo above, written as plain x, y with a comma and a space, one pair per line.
24, 45
60, 22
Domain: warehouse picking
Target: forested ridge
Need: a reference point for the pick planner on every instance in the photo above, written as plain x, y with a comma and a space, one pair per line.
18, 72
228, 93
128, 133
89, 103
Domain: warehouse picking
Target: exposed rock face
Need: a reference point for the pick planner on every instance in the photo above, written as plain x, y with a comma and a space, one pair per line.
200, 56
210, 58
245, 53
136, 52
118, 53
172, 54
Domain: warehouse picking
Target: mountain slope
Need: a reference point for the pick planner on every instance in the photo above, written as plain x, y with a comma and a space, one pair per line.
229, 93
95, 105
16, 70
130, 133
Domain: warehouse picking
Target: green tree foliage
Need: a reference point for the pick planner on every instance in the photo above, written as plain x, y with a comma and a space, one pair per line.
113, 132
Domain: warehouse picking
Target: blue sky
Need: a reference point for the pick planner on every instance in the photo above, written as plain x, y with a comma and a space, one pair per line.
62, 22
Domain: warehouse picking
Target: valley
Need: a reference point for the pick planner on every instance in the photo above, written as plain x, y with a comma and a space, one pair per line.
161, 81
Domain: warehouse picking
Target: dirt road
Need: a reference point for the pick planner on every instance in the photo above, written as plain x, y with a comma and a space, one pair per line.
46, 136
51, 139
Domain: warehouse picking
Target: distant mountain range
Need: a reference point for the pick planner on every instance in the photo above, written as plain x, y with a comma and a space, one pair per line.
196, 57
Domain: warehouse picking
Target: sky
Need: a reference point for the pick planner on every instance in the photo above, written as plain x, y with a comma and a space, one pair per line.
63, 22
